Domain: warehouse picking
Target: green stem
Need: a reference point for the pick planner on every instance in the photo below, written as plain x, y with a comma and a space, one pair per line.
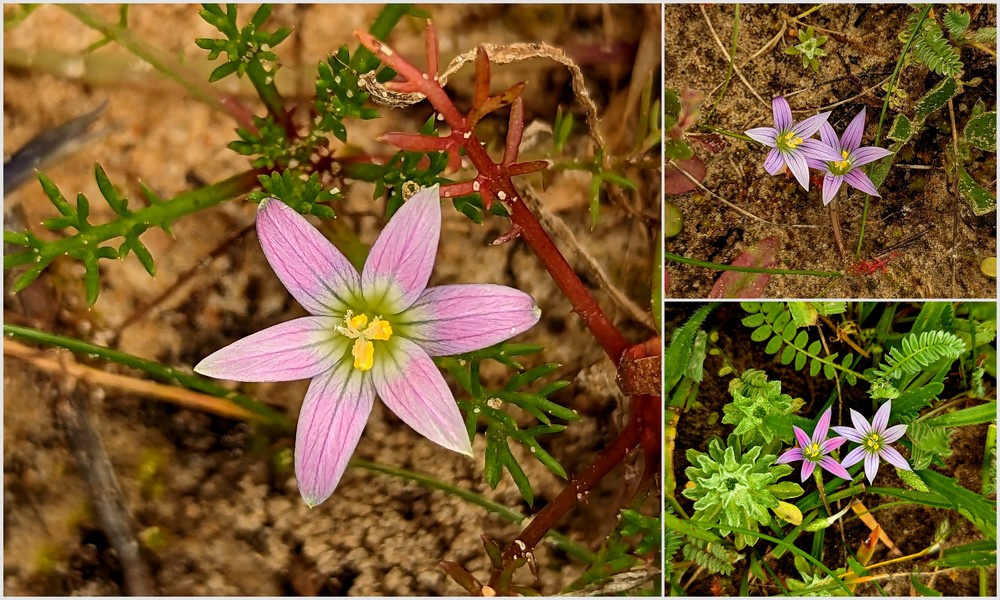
881, 120
726, 132
201, 91
263, 82
154, 215
563, 542
152, 368
722, 267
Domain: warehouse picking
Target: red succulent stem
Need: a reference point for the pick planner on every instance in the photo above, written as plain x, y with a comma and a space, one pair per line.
493, 178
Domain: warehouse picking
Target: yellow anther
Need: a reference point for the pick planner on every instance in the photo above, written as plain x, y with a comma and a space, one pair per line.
790, 140
354, 327
844, 154
380, 330
364, 354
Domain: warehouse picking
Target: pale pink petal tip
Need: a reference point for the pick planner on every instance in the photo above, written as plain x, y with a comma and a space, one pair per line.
400, 262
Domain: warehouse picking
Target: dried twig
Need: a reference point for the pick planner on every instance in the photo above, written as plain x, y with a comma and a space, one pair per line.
180, 396
105, 493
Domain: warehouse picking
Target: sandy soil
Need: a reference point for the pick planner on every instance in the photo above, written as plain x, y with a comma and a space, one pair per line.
862, 50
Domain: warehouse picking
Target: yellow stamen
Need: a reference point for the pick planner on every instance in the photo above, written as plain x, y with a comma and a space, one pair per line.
790, 140
357, 328
381, 330
843, 164
364, 354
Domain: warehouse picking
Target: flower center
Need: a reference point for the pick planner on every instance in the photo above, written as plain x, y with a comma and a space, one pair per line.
362, 332
873, 443
789, 141
840, 167
812, 452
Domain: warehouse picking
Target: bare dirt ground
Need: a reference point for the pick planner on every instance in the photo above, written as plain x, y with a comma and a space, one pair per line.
862, 51
214, 511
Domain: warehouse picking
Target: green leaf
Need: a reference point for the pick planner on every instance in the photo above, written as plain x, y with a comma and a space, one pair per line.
956, 22
677, 149
900, 130
223, 70
981, 131
983, 413
979, 198
936, 98
977, 509
918, 351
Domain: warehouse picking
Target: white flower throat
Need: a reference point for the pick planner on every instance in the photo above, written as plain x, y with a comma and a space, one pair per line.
357, 328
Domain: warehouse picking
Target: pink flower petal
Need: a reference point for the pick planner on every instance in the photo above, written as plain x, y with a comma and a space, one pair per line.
790, 455
848, 432
774, 164
782, 113
834, 467
851, 140
316, 274
401, 260
871, 466
895, 458
801, 437
863, 156
822, 426
829, 136
808, 127
808, 467
853, 457
452, 319
832, 444
831, 185
296, 349
819, 150
412, 387
881, 419
764, 135
860, 423
797, 163
893, 433
857, 179
333, 415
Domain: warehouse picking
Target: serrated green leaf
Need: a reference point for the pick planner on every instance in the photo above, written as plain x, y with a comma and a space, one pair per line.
981, 131
901, 129
936, 98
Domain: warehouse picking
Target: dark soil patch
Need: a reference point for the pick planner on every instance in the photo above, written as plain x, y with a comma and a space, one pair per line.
862, 51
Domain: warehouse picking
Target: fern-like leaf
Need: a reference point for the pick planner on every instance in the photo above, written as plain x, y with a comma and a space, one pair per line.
713, 556
956, 22
918, 351
933, 49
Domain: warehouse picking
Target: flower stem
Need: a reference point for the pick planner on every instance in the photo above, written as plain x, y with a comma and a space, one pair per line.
881, 120
263, 82
838, 236
170, 68
721, 267
152, 368
546, 518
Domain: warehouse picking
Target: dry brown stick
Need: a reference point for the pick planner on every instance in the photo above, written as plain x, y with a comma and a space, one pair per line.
105, 493
736, 69
180, 396
954, 219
